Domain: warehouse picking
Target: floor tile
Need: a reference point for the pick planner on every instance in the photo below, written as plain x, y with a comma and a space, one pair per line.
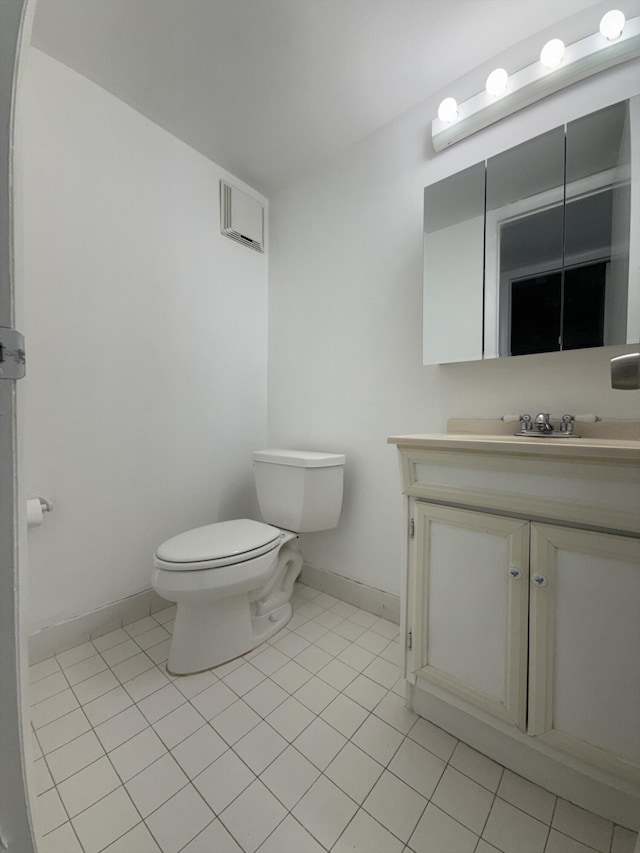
178, 725
337, 674
291, 645
386, 628
84, 669
526, 796
88, 786
325, 600
214, 839
332, 643
342, 608
61, 731
199, 750
160, 653
53, 708
356, 657
378, 739
290, 776
73, 756
349, 630
161, 703
392, 653
624, 840
478, 767
364, 618
269, 660
365, 692
260, 746
328, 620
134, 629
290, 837
434, 739
108, 641
311, 630
266, 697
290, 718
95, 686
354, 772
485, 847
436, 832
392, 710
308, 610
582, 825
121, 727
105, 821
49, 811
43, 669
244, 678
316, 694
395, 805
372, 641
513, 831
320, 743
132, 666
366, 835
107, 705
157, 783
214, 699
382, 672
145, 684
345, 715
313, 658
235, 721
253, 816
179, 820
61, 840
463, 799
137, 753
560, 843
137, 840
42, 779
418, 767
192, 685
223, 781
77, 653
325, 811
47, 687
122, 652
152, 637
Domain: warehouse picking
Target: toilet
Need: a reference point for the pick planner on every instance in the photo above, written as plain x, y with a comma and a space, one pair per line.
232, 580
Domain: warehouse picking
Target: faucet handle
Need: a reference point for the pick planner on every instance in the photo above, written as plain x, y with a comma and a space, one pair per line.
525, 423
543, 423
567, 423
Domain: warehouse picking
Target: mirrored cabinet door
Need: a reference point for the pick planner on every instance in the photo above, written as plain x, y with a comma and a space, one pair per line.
453, 264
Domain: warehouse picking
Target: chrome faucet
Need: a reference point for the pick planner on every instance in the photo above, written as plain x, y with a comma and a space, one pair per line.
542, 423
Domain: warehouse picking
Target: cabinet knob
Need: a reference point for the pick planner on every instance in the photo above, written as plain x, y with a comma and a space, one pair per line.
514, 573
539, 580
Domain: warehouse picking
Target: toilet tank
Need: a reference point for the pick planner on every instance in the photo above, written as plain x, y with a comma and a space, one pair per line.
299, 490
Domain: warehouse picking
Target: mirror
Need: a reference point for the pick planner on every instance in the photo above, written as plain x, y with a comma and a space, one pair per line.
528, 252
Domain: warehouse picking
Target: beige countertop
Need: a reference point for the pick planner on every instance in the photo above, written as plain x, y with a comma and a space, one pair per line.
597, 449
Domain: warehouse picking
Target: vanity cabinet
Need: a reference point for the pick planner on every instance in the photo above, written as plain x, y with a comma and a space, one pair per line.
523, 606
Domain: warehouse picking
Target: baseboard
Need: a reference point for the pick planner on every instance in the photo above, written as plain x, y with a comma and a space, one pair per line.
80, 629
359, 594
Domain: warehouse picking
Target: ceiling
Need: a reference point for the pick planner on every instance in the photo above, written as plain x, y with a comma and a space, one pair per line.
268, 89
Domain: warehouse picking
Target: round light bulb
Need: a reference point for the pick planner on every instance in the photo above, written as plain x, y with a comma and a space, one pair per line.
497, 82
552, 53
448, 110
612, 24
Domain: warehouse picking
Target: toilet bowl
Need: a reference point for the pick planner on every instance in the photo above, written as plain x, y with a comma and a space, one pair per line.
232, 581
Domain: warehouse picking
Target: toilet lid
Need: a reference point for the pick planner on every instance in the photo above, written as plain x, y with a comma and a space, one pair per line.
217, 541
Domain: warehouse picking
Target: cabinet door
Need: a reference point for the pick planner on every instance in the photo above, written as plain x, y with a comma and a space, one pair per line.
470, 594
584, 691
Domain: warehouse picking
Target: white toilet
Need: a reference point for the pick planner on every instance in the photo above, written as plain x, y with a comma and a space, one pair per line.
232, 581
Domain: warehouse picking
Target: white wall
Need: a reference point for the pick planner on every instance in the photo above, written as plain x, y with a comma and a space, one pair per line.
146, 331
345, 314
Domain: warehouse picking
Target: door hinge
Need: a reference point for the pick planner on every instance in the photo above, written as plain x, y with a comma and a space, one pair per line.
12, 354
412, 528
410, 639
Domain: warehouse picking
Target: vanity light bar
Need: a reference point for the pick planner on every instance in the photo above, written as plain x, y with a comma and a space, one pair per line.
580, 60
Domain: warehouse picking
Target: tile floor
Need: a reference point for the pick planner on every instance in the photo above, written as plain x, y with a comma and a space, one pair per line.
302, 746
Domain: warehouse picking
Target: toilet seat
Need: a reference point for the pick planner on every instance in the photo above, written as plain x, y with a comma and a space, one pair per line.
217, 545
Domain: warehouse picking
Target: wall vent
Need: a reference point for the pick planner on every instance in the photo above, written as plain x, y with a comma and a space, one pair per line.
241, 217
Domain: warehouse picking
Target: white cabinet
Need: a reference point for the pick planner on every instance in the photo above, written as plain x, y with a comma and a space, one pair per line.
522, 606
